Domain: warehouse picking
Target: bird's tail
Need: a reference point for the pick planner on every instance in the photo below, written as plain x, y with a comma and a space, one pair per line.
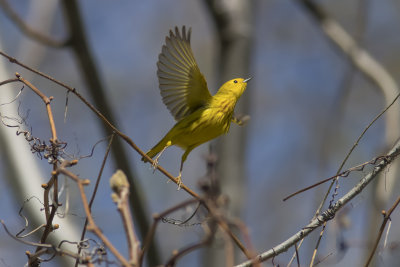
156, 149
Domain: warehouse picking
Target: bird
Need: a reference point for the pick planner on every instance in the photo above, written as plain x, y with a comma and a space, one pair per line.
200, 117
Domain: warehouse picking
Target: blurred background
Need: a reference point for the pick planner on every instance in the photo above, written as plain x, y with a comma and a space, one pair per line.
308, 105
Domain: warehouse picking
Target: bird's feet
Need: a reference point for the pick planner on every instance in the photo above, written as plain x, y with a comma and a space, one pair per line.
154, 165
155, 161
241, 119
179, 180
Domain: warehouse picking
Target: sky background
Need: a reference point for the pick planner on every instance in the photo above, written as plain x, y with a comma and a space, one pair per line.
303, 122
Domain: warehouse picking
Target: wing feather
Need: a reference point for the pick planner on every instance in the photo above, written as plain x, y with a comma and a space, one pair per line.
182, 86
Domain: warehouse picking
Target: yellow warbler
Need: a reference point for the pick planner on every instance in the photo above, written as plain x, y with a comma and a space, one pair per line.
200, 117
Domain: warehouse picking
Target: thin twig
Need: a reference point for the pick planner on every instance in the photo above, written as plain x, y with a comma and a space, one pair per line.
91, 223
9, 80
46, 101
106, 121
341, 167
297, 255
120, 185
359, 57
386, 218
330, 212
95, 192
362, 60
345, 173
178, 254
41, 245
54, 179
89, 68
157, 218
229, 250
224, 226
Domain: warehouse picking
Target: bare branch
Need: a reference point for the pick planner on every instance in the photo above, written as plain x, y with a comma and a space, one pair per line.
120, 185
126, 138
329, 213
91, 223
386, 219
95, 190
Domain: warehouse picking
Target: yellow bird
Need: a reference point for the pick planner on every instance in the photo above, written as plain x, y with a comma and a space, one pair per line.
200, 117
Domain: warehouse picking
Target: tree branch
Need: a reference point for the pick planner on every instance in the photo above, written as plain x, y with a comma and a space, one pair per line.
329, 213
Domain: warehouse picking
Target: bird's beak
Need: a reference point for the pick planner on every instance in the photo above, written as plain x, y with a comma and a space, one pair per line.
248, 79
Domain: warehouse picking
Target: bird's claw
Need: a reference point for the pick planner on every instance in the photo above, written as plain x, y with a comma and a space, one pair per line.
179, 181
241, 119
154, 165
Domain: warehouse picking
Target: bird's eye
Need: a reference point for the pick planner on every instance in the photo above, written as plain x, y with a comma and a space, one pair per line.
235, 81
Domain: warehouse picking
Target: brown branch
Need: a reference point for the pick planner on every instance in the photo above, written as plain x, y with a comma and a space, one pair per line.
223, 224
90, 73
178, 254
386, 218
94, 192
9, 80
105, 120
34, 261
91, 223
216, 219
297, 255
156, 219
53, 183
46, 101
120, 185
228, 235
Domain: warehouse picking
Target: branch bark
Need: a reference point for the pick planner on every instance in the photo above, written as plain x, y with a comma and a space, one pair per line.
328, 214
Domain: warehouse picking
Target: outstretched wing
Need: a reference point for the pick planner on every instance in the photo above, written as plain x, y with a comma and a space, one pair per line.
183, 87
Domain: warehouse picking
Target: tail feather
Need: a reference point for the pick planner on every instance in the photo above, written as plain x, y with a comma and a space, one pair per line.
156, 149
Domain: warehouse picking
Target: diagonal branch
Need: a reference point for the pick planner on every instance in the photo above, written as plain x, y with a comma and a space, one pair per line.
84, 56
386, 218
370, 68
329, 213
107, 122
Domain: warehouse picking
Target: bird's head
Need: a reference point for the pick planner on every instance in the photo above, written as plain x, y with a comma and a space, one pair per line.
235, 86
